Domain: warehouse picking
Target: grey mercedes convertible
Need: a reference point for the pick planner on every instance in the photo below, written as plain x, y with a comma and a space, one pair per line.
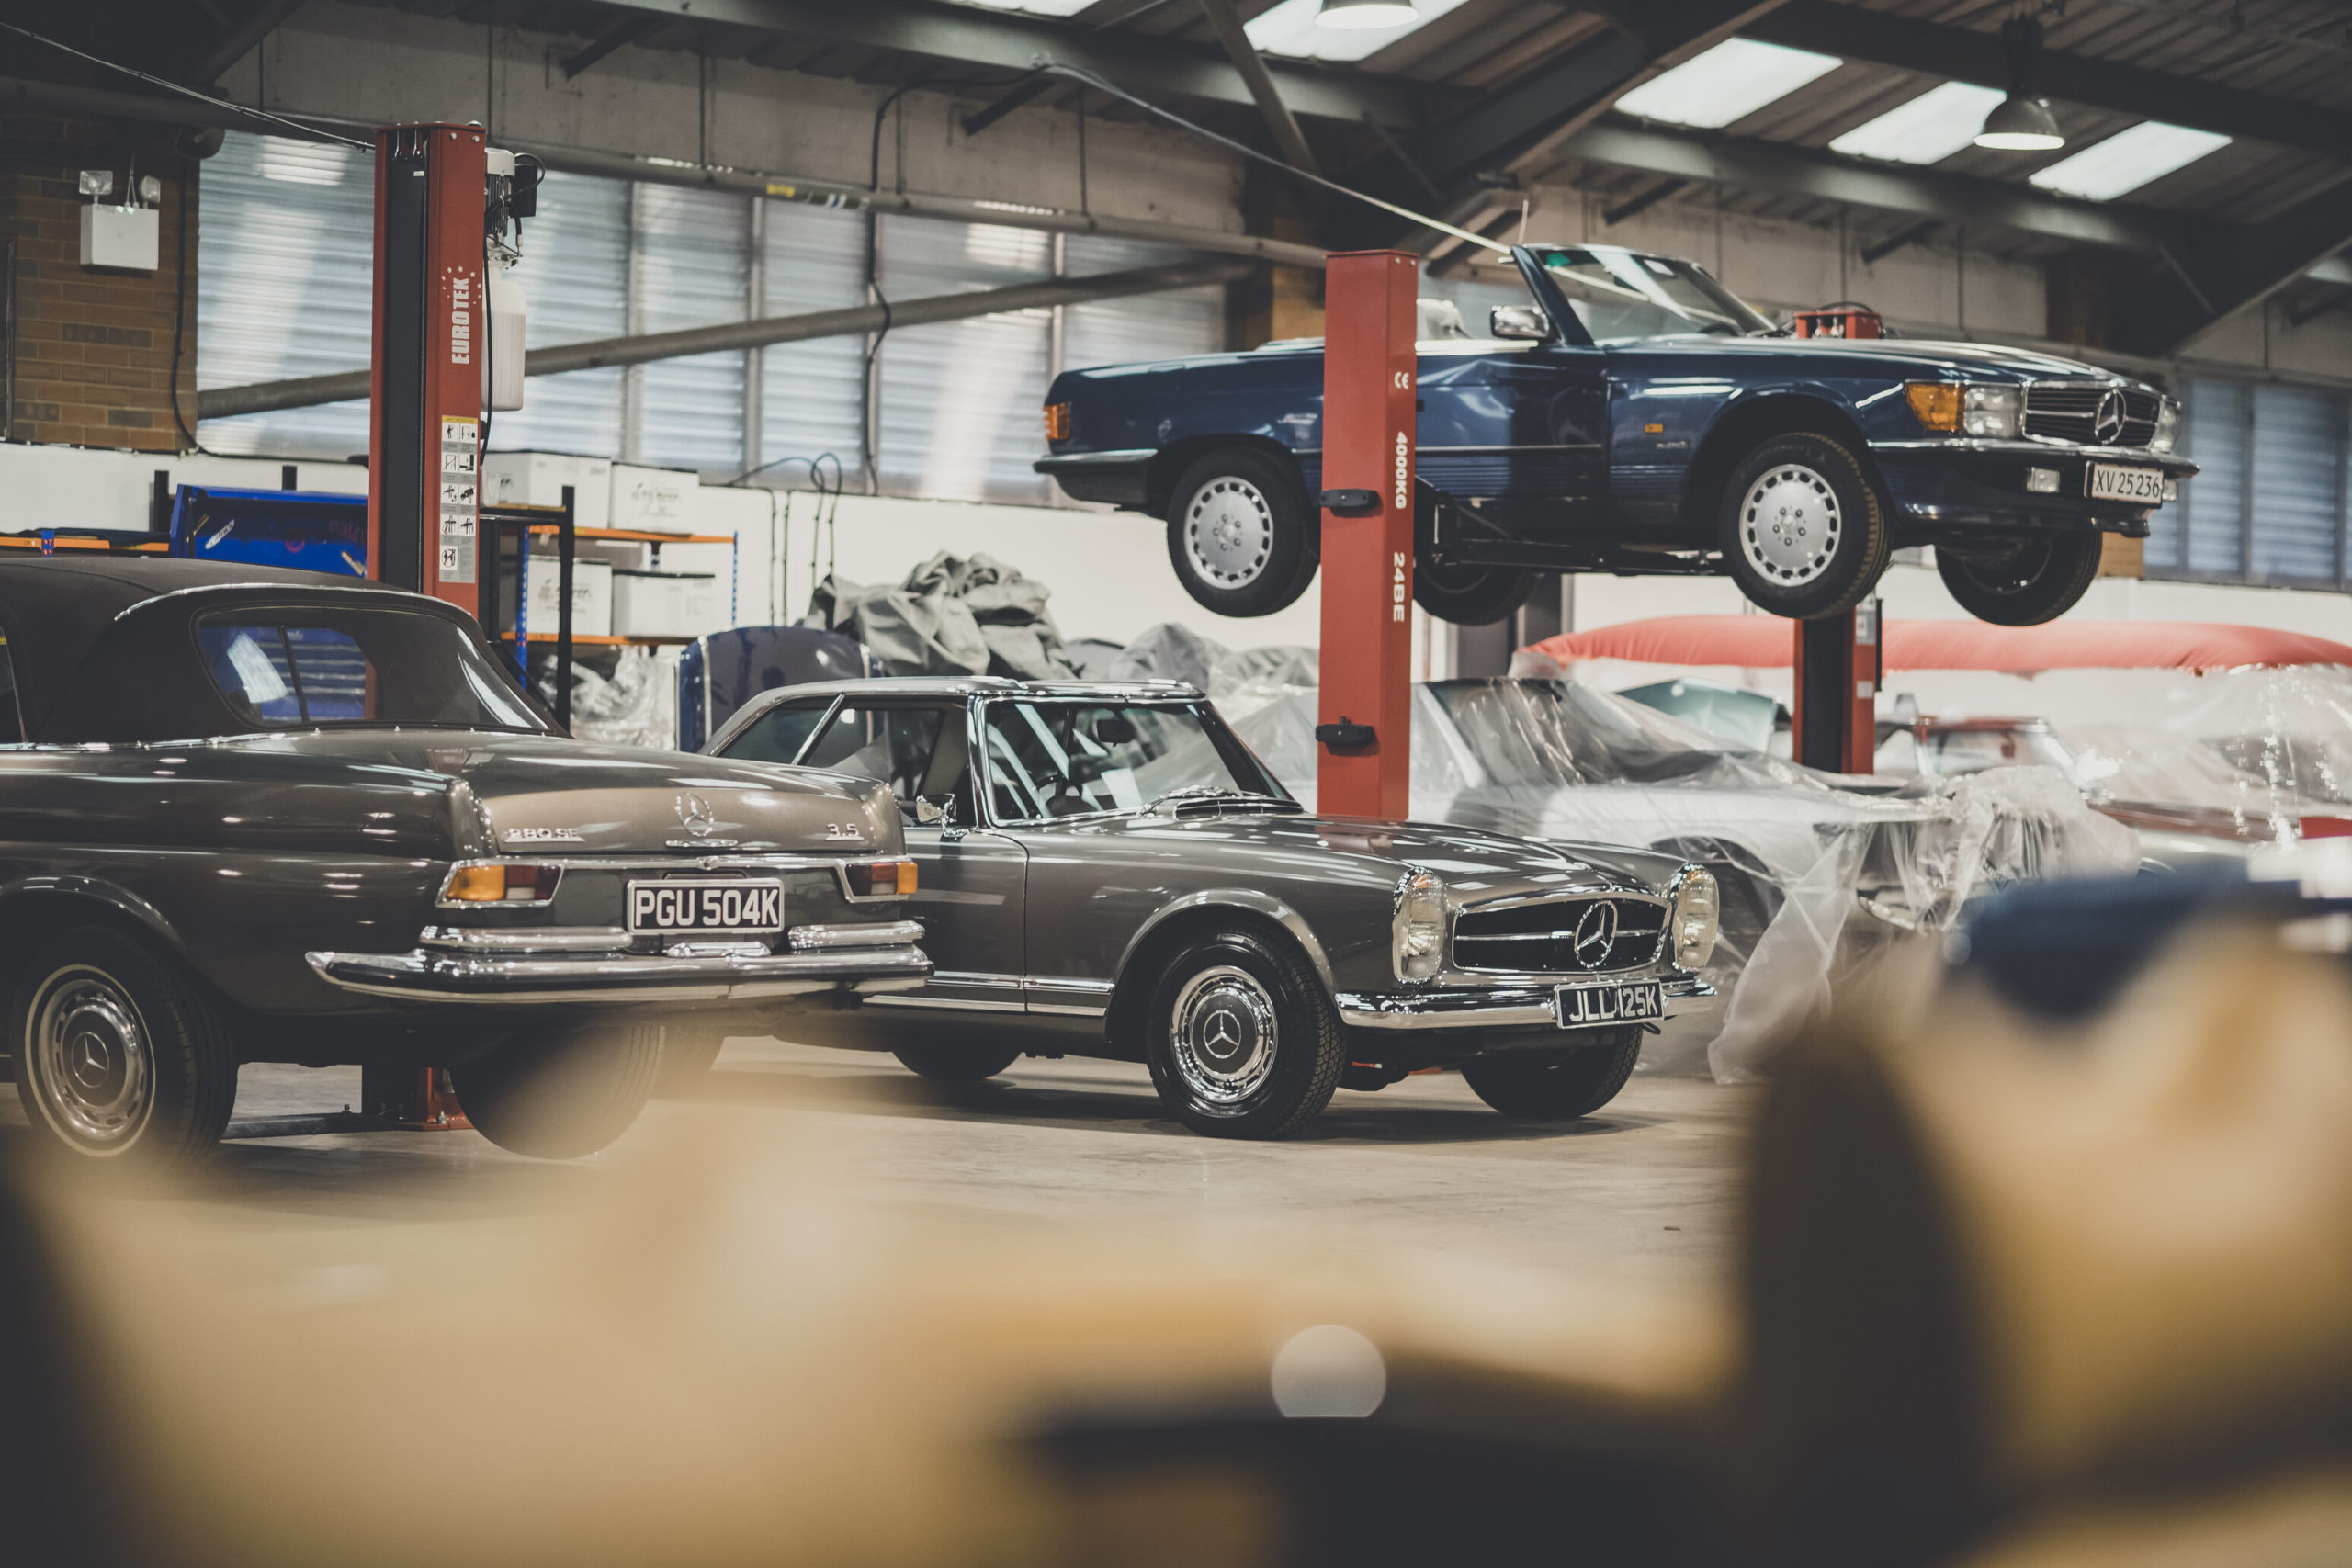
1106, 871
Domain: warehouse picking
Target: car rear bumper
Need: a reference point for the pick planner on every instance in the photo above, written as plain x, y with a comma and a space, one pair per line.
1517, 1007
885, 958
1972, 483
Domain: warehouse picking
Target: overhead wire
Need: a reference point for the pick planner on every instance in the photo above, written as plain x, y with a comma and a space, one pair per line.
309, 132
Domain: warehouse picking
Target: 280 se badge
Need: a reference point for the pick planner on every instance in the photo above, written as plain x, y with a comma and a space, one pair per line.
732, 905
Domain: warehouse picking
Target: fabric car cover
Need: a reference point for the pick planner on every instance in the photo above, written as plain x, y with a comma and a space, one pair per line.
951, 615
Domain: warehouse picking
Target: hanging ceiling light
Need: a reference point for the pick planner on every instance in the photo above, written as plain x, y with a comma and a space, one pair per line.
2021, 122
1366, 14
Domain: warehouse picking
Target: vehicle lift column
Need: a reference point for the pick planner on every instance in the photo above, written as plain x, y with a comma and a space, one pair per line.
1363, 720
1838, 669
432, 327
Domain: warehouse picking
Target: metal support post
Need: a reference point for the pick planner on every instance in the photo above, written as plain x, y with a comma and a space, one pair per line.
1365, 716
565, 544
1838, 669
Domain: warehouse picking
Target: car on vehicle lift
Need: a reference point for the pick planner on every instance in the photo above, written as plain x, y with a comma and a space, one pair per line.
252, 815
1636, 417
1106, 871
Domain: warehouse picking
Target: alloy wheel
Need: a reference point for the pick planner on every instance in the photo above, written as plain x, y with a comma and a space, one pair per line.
1789, 524
1229, 532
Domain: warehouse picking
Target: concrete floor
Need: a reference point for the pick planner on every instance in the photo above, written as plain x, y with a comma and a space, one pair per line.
1641, 1191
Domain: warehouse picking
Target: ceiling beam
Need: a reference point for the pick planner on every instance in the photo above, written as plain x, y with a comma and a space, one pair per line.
963, 36
2216, 277
627, 30
1226, 22
260, 22
1968, 54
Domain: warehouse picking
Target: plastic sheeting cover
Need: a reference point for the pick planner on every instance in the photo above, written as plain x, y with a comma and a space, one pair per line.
1817, 880
635, 706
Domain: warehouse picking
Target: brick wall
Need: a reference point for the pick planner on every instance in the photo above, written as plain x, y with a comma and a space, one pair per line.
90, 355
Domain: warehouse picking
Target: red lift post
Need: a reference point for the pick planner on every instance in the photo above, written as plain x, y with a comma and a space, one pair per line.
432, 329
1363, 720
1839, 668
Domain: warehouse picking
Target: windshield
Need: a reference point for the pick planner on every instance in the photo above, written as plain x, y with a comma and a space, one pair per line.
1618, 295
1051, 760
309, 667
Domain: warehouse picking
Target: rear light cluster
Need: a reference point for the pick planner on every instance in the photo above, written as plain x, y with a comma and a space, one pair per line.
501, 884
1057, 421
881, 878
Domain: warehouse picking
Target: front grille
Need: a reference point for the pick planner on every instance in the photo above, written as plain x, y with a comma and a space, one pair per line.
2068, 411
1541, 938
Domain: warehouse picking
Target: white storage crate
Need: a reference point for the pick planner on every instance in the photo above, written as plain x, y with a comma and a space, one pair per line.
591, 596
667, 603
655, 501
536, 478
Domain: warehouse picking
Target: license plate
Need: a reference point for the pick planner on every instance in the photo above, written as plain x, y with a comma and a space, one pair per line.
2110, 482
687, 905
1627, 1001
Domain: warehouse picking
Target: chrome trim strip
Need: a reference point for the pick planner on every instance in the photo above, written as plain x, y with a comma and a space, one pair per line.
524, 938
979, 979
1506, 451
1096, 995
428, 977
1097, 459
889, 933
649, 862
2036, 446
947, 1004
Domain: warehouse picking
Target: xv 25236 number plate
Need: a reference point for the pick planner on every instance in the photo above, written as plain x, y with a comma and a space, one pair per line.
683, 905
1620, 1002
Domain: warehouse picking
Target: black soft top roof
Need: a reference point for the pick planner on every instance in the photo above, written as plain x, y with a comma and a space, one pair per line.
89, 670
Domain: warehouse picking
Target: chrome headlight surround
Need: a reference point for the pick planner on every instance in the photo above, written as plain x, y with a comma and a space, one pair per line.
1993, 409
1694, 917
2167, 431
1417, 944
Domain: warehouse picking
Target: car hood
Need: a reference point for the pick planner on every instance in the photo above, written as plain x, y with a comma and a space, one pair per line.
536, 794
1475, 864
1982, 361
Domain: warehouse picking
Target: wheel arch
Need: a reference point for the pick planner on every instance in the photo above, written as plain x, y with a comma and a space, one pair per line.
1177, 922
1755, 417
1168, 465
33, 906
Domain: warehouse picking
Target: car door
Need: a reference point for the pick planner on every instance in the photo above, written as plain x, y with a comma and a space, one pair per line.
970, 880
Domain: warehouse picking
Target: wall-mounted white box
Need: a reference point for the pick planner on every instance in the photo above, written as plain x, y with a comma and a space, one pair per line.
592, 597
536, 478
666, 603
654, 500
124, 238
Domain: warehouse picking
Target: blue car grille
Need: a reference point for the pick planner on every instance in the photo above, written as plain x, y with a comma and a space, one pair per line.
2068, 411
1544, 938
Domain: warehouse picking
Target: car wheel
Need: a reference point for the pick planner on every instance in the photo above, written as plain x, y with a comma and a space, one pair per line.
1555, 1087
1243, 1042
1803, 531
1242, 533
687, 1057
953, 1064
2026, 584
119, 1056
1465, 595
560, 1092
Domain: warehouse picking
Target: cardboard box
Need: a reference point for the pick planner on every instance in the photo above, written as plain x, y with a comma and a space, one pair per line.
667, 603
655, 501
536, 478
592, 598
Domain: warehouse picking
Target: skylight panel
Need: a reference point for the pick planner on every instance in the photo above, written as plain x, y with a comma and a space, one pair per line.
2128, 160
1928, 130
1290, 30
1729, 81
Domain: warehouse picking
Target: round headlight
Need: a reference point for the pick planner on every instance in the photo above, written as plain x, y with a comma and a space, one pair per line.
1419, 944
1696, 915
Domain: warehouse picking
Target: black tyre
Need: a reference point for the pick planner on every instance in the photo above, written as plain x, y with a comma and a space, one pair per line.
687, 1057
560, 1092
118, 1056
1555, 1087
1463, 594
2022, 582
1242, 1041
1802, 530
1243, 533
952, 1064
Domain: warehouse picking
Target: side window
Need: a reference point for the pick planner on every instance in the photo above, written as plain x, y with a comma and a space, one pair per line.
892, 744
781, 732
12, 723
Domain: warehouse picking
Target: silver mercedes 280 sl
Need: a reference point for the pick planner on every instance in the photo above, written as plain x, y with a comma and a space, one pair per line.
1106, 871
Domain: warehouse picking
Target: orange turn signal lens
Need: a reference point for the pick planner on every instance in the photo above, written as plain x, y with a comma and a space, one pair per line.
881, 878
501, 885
1937, 403
1057, 421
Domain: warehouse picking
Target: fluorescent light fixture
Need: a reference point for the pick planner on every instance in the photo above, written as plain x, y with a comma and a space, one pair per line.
1928, 130
1303, 30
2128, 160
1366, 14
1034, 8
1729, 81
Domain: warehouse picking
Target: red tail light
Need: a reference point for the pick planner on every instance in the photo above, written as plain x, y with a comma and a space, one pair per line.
881, 878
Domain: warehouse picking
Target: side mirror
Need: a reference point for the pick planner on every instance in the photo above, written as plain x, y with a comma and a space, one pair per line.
935, 810
1525, 323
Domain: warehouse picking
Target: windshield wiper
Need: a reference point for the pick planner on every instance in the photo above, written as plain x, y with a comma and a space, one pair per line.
1207, 791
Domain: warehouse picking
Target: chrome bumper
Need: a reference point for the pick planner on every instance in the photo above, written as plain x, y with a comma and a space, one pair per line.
582, 969
1516, 1007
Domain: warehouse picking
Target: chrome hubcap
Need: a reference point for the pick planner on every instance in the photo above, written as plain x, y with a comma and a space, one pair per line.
1221, 1031
1228, 532
88, 1061
1789, 524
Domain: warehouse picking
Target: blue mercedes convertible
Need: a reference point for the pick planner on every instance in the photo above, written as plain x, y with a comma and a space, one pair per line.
1636, 417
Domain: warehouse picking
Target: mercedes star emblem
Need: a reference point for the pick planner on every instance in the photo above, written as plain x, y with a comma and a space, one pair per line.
1223, 1035
2108, 424
89, 1060
1595, 935
695, 815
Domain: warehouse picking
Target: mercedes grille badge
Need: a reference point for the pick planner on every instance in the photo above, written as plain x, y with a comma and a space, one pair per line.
1595, 935
2108, 426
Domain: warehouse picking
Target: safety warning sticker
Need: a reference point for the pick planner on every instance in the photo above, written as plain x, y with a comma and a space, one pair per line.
460, 504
